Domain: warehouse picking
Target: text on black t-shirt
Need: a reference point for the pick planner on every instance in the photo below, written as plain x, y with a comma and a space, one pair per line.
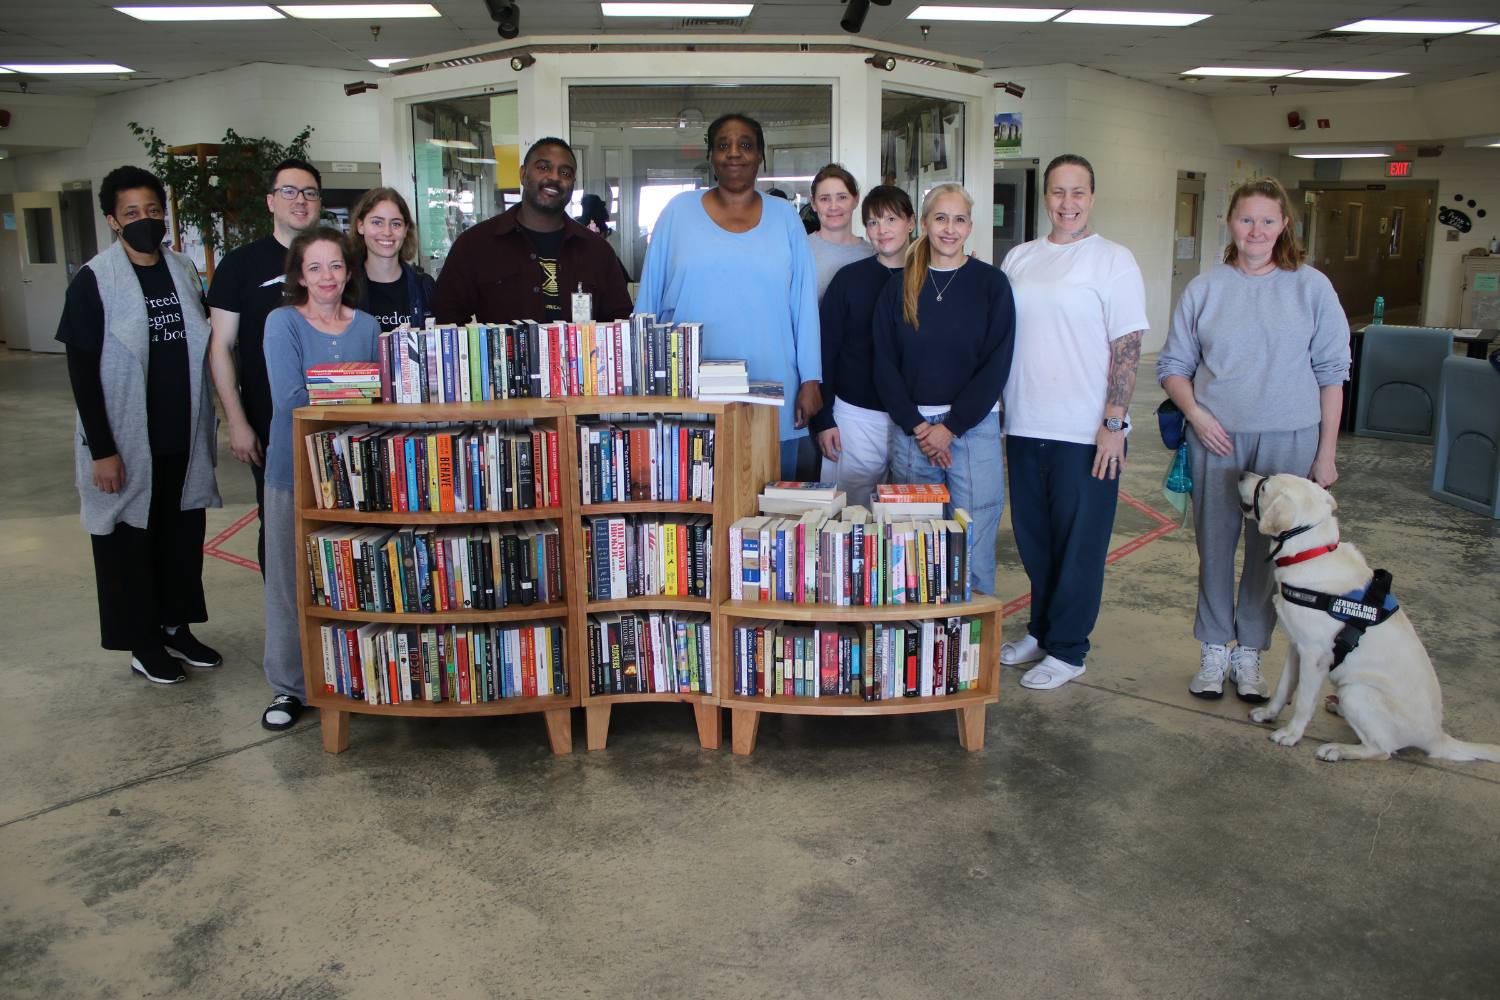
548, 247
390, 302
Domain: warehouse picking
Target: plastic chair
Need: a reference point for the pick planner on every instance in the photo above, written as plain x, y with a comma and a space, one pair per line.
1466, 462
1399, 372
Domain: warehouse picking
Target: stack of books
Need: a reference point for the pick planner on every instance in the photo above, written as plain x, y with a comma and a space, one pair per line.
874, 661
856, 560
343, 382
728, 376
650, 652
899, 501
801, 498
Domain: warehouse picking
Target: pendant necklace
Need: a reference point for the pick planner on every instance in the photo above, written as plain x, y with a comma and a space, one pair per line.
945, 287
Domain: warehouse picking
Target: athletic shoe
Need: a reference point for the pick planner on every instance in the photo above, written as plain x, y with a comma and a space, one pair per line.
182, 644
1244, 672
1212, 666
157, 667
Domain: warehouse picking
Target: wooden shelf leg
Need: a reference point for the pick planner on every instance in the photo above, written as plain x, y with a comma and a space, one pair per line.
596, 722
744, 723
335, 729
710, 719
560, 730
971, 727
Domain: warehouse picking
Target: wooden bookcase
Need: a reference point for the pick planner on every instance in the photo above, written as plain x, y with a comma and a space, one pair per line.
968, 706
746, 455
335, 709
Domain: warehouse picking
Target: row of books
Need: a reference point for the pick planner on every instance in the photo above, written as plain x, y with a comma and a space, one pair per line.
650, 652
638, 556
414, 570
851, 561
507, 465
875, 661
465, 664
338, 382
530, 360
661, 459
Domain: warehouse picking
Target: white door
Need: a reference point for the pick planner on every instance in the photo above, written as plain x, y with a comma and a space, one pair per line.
44, 271
1187, 232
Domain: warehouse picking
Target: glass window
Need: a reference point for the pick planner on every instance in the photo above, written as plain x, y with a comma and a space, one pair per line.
921, 142
467, 167
41, 243
638, 146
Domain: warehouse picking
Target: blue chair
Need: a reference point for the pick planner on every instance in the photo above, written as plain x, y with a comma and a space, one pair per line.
1466, 462
1399, 372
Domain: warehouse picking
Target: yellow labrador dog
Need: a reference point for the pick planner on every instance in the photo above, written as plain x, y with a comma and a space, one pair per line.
1386, 686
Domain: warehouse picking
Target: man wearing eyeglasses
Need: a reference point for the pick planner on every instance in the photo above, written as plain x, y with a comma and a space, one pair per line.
247, 285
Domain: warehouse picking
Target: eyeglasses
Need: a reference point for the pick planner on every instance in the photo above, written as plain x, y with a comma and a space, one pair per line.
290, 193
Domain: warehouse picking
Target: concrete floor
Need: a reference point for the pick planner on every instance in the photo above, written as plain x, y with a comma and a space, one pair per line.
1116, 838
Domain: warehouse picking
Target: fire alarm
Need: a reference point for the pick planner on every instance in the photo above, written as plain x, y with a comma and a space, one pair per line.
4, 118
1294, 120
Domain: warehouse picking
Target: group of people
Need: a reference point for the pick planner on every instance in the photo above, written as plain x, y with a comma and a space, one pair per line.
901, 360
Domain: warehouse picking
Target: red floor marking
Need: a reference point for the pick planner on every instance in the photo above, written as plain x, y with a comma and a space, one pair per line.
211, 547
1164, 526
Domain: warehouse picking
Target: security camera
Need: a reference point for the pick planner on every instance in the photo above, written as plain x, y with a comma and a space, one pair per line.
507, 17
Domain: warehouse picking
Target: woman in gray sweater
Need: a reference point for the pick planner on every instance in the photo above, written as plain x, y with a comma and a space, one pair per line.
1256, 358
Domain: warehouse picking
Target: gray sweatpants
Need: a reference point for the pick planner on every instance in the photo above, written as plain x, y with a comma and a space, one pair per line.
283, 657
1218, 520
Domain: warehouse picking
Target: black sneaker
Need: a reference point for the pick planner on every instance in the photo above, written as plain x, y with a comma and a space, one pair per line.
186, 647
282, 704
157, 667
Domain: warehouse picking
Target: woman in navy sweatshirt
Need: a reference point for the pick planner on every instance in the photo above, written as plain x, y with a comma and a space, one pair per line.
943, 339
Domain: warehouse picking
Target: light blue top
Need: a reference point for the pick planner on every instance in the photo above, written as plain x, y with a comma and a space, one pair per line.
754, 292
292, 346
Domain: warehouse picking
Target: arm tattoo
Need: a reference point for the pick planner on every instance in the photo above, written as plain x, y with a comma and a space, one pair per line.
1124, 355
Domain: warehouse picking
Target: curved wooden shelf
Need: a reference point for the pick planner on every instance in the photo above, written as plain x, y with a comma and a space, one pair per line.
426, 413
850, 705
646, 507
880, 613
424, 518
689, 697
584, 406
446, 710
650, 604
537, 612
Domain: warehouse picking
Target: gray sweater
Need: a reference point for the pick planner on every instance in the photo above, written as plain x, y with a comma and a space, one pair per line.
1258, 348
830, 258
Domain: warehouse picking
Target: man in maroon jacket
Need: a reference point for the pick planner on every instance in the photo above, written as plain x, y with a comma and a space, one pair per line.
527, 262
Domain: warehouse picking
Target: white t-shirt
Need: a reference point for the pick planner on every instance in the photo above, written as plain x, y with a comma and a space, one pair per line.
1072, 301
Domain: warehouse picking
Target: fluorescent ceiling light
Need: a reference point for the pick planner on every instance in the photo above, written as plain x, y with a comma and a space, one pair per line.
451, 143
1145, 18
360, 11
1335, 153
51, 69
676, 9
1246, 71
476, 159
1493, 29
1484, 142
1345, 74
258, 13
4, 70
790, 178
1376, 24
388, 63
1032, 15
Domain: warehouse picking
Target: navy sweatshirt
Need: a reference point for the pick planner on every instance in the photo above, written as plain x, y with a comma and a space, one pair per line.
961, 356
847, 309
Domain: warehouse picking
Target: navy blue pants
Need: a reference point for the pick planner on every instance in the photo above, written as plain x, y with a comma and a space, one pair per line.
1062, 518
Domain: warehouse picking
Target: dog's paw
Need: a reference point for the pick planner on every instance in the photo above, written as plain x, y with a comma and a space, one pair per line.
1263, 714
1330, 752
1286, 736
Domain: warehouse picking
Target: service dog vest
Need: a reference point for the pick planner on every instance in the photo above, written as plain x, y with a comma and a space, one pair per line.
1358, 609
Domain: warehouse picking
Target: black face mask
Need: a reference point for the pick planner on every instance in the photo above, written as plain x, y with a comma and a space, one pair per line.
144, 235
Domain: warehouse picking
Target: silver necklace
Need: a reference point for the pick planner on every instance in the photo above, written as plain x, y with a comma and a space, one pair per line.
935, 288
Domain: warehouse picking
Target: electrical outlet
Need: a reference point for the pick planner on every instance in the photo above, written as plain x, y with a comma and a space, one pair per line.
1453, 236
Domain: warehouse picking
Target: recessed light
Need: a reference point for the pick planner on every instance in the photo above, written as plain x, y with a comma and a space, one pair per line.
359, 11
388, 63
1387, 26
1345, 74
257, 13
1336, 153
51, 69
1244, 71
1142, 18
1031, 15
676, 9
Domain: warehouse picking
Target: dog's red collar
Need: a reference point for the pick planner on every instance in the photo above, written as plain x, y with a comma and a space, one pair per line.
1307, 554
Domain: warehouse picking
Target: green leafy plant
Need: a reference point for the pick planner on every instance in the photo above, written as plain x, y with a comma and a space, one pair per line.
228, 188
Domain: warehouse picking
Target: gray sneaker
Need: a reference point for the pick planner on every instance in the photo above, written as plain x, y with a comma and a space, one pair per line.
1212, 666
1244, 671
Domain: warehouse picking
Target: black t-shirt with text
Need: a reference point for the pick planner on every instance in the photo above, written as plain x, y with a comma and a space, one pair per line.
548, 247
390, 302
250, 280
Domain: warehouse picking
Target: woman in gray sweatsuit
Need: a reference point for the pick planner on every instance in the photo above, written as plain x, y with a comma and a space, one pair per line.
1256, 358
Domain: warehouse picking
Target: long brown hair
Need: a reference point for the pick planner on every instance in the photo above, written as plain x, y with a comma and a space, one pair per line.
294, 291
919, 254
364, 207
1286, 254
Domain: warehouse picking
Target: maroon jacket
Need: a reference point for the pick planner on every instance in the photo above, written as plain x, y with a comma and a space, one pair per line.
491, 273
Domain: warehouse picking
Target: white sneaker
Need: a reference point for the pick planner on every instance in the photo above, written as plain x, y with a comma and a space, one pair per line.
1212, 666
1023, 650
1244, 671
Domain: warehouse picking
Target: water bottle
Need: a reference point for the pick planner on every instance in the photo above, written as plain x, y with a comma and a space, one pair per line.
1180, 478
1379, 315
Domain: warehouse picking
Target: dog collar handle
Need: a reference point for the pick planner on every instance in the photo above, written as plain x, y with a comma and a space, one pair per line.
1307, 554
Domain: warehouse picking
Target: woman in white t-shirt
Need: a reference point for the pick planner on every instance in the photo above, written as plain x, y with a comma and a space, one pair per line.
1080, 314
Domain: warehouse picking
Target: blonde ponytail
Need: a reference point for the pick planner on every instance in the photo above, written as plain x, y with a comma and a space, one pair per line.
919, 254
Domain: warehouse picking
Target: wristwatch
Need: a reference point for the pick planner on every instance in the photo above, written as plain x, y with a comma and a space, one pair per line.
1115, 423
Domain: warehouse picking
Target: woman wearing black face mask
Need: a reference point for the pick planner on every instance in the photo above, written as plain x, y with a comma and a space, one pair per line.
137, 342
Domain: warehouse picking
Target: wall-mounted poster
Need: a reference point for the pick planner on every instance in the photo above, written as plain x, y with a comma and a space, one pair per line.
1007, 134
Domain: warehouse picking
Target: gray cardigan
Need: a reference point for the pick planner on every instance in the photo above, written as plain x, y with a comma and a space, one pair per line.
123, 358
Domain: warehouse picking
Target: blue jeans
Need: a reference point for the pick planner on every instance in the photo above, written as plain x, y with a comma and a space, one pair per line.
975, 481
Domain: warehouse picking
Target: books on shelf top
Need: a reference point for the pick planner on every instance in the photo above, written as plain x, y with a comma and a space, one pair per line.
761, 391
340, 382
783, 497
911, 493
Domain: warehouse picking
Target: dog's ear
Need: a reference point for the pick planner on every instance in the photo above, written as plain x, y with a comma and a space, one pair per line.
1333, 503
1277, 515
